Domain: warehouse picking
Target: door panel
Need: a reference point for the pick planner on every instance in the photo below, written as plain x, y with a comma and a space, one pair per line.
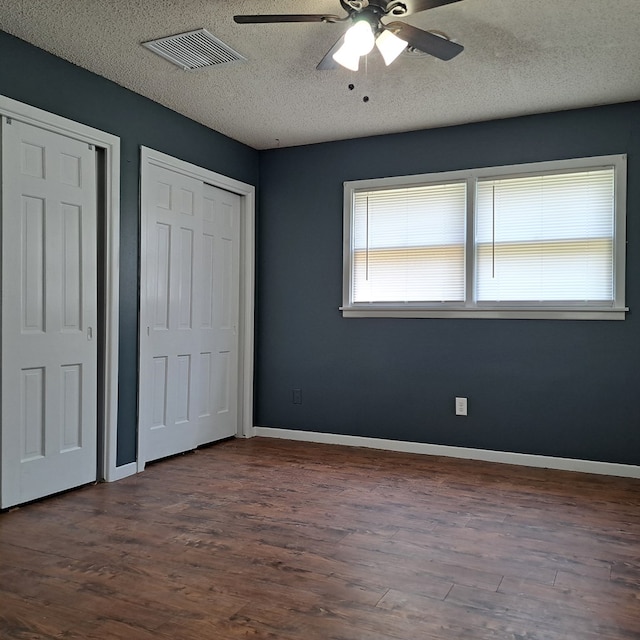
49, 313
171, 220
219, 317
188, 313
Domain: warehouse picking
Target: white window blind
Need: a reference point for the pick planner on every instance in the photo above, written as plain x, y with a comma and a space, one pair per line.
408, 244
538, 240
546, 238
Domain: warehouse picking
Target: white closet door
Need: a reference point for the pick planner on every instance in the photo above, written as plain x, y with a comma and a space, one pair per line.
218, 348
188, 366
49, 313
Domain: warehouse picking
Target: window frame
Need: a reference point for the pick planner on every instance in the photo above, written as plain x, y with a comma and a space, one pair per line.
470, 307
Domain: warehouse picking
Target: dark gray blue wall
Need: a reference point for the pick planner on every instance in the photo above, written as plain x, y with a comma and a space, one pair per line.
32, 76
558, 388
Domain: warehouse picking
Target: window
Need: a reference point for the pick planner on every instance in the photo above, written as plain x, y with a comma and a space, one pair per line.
543, 240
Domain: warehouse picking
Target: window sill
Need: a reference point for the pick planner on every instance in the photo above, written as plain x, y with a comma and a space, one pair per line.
506, 313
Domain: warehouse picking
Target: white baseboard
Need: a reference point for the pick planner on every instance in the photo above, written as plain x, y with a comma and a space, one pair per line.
505, 457
123, 471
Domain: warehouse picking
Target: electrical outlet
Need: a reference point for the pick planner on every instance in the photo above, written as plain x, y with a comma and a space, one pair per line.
297, 396
461, 406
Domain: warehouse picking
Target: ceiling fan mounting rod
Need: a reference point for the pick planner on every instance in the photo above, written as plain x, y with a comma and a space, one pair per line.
397, 8
354, 5
380, 7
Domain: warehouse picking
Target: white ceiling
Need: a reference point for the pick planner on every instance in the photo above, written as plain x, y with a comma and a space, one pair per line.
520, 57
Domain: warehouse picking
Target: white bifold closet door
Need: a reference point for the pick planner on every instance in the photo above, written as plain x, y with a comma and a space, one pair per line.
189, 313
49, 313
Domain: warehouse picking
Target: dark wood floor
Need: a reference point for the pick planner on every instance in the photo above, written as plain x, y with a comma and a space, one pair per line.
270, 539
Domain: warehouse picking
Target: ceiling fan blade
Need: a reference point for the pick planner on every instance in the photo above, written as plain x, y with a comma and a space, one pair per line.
285, 17
415, 6
425, 41
328, 63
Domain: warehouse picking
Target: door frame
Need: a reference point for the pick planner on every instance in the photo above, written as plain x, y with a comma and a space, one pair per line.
246, 192
109, 145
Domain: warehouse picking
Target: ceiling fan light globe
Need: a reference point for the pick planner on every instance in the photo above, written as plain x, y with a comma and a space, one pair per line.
390, 46
360, 37
347, 57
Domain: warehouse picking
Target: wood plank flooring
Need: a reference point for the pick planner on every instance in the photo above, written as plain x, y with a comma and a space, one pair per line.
270, 539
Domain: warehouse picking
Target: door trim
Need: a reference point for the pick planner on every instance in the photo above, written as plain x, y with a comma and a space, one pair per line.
247, 280
110, 146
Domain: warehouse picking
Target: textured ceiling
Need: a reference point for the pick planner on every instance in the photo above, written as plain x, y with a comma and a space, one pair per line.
520, 57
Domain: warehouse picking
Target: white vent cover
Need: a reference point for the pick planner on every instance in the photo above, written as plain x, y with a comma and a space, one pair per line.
194, 50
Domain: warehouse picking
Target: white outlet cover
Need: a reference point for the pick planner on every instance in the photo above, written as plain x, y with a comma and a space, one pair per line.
461, 406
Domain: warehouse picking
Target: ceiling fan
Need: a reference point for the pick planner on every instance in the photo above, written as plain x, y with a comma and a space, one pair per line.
368, 29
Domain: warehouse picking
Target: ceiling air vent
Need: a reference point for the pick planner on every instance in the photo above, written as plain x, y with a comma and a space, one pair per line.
194, 50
